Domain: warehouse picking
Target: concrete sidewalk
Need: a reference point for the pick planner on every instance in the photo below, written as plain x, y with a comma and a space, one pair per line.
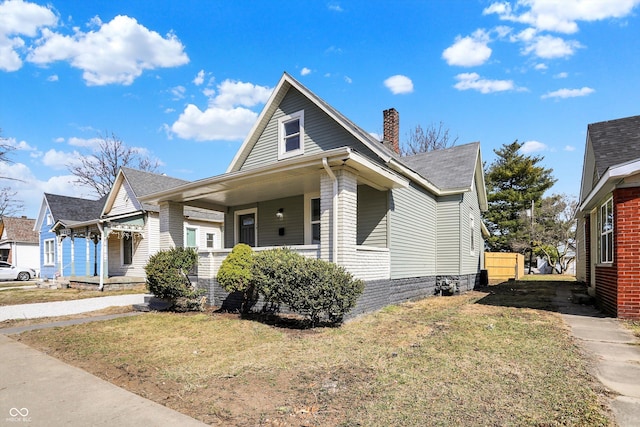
65, 308
38, 390
617, 354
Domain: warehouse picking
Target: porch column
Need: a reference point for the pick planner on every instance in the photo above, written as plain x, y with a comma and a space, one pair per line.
73, 253
87, 251
171, 225
345, 226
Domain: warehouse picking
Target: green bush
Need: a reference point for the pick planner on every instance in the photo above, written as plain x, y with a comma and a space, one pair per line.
167, 274
315, 288
235, 273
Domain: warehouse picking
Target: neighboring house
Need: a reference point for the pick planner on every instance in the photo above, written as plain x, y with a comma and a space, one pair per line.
608, 216
132, 228
18, 242
69, 236
308, 178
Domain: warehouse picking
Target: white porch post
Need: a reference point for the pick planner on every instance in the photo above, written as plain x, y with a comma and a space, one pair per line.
87, 251
171, 225
347, 227
326, 217
73, 254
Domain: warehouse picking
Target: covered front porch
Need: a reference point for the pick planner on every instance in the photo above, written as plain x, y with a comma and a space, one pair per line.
332, 206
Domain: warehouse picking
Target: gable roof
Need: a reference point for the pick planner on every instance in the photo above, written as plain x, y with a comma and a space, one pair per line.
67, 209
614, 142
612, 154
287, 82
448, 169
18, 230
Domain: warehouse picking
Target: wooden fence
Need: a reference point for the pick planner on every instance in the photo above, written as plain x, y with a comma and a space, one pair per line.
503, 266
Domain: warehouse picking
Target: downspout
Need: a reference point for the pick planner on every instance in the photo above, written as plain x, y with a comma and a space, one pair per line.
334, 232
101, 228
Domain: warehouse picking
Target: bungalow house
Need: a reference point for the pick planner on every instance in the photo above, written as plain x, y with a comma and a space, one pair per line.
108, 241
19, 242
608, 228
68, 236
308, 178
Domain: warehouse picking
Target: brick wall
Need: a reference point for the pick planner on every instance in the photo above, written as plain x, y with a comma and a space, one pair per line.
627, 251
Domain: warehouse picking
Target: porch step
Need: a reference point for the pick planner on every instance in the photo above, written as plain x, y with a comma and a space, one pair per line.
152, 303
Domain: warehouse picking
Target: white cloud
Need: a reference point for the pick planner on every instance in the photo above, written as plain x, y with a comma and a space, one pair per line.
348, 79
569, 148
117, 53
541, 67
532, 147
178, 92
399, 84
562, 75
227, 117
305, 71
59, 160
20, 146
549, 47
52, 78
92, 143
199, 79
335, 7
468, 51
569, 93
473, 81
560, 16
17, 19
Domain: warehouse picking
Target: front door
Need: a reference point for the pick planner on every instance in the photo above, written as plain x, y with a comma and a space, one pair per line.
247, 229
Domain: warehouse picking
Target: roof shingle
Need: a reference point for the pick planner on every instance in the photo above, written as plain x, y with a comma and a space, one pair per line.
614, 142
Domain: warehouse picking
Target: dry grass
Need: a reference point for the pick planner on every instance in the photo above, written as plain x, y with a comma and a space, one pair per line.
30, 296
473, 359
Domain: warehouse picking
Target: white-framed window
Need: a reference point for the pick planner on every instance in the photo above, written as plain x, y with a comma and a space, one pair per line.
191, 237
311, 218
49, 219
472, 231
211, 240
605, 228
49, 252
127, 249
291, 135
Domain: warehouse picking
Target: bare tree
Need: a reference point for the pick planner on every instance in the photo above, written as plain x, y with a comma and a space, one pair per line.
99, 170
432, 138
9, 205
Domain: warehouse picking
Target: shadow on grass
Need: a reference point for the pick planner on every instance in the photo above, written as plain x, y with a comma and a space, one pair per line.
534, 294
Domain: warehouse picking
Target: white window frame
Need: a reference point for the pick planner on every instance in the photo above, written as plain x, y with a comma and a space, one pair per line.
133, 249
603, 235
236, 224
49, 219
49, 257
213, 240
282, 148
197, 230
308, 229
472, 237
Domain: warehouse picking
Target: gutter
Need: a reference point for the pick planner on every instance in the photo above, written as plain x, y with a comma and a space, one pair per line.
334, 232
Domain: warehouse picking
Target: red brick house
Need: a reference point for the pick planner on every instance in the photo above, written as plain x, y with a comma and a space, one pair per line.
608, 234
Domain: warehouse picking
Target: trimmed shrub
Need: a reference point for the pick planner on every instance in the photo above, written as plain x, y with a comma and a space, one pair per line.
315, 288
167, 274
235, 274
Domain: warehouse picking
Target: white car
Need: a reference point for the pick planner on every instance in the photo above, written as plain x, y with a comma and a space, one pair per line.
12, 272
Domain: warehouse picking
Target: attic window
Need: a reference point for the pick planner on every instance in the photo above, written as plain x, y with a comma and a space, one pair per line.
291, 135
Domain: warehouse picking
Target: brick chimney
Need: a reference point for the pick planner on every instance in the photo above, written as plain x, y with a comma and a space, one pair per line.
391, 129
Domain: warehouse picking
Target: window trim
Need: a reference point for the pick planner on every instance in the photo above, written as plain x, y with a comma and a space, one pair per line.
52, 253
197, 231
282, 148
308, 230
213, 240
122, 243
603, 235
472, 237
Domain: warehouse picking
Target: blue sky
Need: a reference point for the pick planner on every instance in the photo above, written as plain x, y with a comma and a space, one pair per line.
183, 82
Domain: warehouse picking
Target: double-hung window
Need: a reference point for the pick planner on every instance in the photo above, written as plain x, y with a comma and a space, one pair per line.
49, 258
127, 249
211, 240
472, 234
291, 135
605, 228
315, 220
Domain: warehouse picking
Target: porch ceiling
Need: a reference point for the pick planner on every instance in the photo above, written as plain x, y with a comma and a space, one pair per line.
287, 178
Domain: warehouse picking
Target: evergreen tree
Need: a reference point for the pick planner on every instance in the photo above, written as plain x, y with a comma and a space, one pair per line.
513, 181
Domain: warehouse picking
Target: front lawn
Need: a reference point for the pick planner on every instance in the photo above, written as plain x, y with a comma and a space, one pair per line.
35, 295
472, 359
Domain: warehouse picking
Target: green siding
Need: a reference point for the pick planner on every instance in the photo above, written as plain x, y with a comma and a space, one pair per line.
372, 217
470, 260
412, 214
321, 133
448, 259
292, 222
